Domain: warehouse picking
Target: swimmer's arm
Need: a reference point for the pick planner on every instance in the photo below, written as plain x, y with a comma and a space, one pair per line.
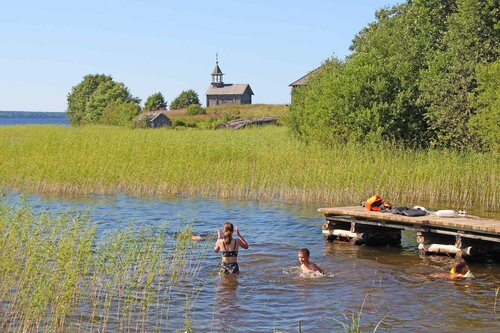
243, 242
316, 268
217, 246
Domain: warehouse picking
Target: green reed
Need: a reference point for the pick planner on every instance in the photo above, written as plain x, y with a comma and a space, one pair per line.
496, 297
352, 324
56, 274
256, 163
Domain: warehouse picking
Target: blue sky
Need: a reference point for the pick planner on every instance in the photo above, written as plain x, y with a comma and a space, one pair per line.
46, 47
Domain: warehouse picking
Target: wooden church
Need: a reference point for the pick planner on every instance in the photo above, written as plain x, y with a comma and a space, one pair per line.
220, 93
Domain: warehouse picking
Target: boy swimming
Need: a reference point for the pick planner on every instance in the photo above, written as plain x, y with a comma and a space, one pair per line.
305, 265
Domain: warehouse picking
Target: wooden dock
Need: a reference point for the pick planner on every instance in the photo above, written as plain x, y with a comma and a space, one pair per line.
467, 235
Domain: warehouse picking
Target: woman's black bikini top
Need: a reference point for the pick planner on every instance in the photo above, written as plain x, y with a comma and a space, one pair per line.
232, 253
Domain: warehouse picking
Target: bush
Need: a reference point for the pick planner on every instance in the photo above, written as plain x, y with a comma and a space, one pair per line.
195, 109
178, 123
142, 122
119, 113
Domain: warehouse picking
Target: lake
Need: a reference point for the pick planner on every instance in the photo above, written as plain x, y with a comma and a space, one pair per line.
30, 117
393, 285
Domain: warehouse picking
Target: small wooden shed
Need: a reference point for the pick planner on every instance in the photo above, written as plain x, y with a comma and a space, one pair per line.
155, 119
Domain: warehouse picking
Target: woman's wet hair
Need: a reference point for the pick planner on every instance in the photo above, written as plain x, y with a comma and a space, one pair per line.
460, 266
228, 232
305, 252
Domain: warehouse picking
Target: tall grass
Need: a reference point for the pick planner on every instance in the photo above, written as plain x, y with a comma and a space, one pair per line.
256, 163
55, 274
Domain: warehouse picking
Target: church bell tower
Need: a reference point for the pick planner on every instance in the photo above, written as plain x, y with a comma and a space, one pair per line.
217, 73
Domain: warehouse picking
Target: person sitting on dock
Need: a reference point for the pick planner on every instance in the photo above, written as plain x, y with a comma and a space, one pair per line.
460, 270
229, 247
305, 265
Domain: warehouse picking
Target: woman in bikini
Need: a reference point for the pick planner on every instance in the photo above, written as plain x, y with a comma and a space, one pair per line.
229, 247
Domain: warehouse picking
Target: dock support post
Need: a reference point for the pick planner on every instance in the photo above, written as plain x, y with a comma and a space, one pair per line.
359, 233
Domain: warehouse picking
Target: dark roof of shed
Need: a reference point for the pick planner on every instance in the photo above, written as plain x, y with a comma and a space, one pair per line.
152, 115
229, 89
303, 80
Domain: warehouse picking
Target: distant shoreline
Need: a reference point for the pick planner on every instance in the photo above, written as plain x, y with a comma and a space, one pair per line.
11, 113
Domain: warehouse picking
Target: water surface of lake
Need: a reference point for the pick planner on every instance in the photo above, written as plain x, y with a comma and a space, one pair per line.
32, 118
270, 296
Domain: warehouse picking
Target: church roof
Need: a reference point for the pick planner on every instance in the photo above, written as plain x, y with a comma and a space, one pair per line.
217, 70
229, 89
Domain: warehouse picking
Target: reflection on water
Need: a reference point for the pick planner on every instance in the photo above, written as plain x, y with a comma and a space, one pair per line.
394, 285
226, 304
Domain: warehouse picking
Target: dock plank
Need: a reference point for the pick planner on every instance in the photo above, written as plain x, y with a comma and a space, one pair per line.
469, 222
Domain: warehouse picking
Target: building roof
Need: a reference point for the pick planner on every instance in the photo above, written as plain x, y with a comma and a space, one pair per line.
303, 80
152, 115
217, 70
229, 89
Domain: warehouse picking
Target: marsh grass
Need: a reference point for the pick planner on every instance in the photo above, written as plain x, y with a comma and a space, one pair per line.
57, 275
352, 323
256, 163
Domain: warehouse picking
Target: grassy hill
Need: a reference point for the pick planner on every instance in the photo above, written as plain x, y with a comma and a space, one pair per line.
220, 114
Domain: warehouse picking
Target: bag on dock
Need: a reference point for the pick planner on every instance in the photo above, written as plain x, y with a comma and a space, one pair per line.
408, 211
399, 210
414, 212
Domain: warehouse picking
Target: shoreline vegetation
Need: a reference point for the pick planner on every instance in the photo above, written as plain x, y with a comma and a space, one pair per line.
256, 163
132, 279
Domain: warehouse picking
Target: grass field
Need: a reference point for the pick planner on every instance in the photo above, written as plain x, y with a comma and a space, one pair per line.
220, 114
255, 163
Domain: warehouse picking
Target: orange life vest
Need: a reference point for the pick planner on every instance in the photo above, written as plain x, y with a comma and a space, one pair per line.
375, 202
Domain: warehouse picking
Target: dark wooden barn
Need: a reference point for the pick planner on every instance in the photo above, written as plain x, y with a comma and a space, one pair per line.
220, 93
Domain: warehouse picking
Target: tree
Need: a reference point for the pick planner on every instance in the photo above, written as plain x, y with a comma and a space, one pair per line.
449, 83
155, 102
371, 95
411, 79
120, 113
486, 122
195, 109
89, 98
185, 99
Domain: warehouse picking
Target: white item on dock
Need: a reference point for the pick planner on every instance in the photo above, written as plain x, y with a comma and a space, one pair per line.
446, 213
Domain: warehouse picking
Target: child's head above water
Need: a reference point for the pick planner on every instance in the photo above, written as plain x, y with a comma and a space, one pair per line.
304, 255
460, 269
305, 265
460, 266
